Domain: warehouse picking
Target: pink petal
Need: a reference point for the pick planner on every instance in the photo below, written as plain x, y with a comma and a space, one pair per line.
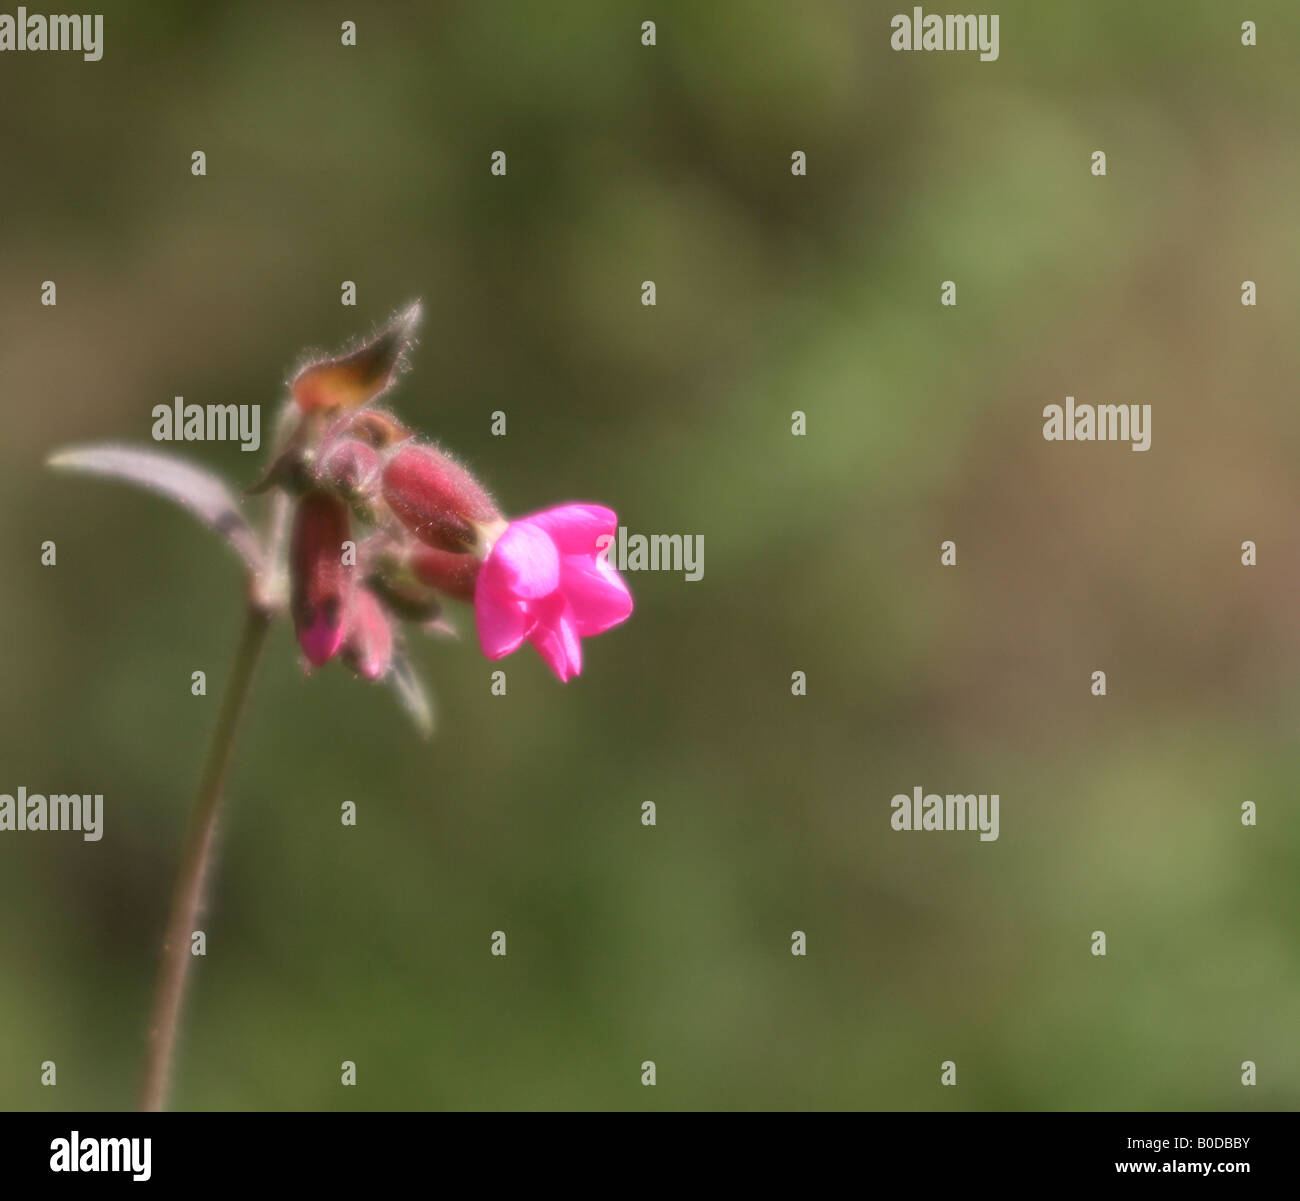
557, 643
598, 598
502, 622
523, 563
576, 528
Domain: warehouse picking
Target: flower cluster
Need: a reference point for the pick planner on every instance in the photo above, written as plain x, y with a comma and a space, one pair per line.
386, 527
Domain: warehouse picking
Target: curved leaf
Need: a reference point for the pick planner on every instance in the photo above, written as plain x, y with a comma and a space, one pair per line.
200, 491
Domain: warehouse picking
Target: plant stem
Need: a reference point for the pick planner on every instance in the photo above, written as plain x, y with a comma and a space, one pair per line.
193, 869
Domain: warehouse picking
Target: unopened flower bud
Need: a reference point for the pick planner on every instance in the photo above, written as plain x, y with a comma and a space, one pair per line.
406, 597
368, 643
440, 502
451, 574
378, 429
348, 465
349, 381
321, 583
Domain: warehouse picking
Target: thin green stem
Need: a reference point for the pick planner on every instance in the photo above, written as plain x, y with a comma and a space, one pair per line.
194, 864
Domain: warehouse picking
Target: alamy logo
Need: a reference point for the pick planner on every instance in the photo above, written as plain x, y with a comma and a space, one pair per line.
57, 812
59, 31
956, 811
654, 552
1098, 423
78, 1154
179, 422
952, 32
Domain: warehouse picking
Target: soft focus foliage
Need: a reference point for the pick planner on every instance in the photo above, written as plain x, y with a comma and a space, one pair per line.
774, 293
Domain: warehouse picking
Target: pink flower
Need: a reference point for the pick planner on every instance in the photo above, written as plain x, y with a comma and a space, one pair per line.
543, 581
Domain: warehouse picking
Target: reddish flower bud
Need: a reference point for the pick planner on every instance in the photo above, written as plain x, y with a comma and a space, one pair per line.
406, 598
350, 380
368, 644
378, 428
436, 498
451, 574
348, 465
321, 584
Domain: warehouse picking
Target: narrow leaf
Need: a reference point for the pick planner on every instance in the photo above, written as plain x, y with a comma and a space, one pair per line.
412, 693
200, 491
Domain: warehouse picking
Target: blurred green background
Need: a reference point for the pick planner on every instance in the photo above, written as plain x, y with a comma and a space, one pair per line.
775, 293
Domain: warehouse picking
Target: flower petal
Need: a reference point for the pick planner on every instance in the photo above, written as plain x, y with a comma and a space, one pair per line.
575, 529
502, 622
557, 642
598, 598
523, 563
572, 643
